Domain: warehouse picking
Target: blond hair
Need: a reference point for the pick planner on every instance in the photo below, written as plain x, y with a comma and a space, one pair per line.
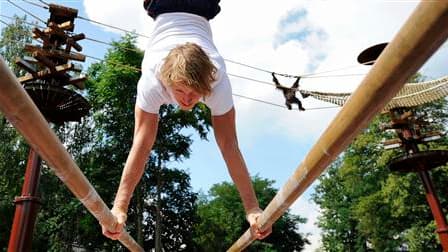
190, 64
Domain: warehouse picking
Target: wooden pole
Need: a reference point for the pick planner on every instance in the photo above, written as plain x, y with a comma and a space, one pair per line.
424, 32
21, 112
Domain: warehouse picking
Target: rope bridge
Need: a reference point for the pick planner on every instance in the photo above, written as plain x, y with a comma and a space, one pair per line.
411, 95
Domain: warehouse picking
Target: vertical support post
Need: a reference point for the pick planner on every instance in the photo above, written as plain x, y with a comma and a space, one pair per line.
27, 207
431, 196
436, 209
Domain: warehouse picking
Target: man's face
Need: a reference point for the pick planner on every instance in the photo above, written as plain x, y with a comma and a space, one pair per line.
185, 96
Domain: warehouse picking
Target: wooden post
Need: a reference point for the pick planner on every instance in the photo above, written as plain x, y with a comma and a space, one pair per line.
27, 206
423, 33
21, 112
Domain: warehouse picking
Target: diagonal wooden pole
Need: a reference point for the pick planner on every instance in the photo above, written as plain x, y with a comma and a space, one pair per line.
424, 32
20, 110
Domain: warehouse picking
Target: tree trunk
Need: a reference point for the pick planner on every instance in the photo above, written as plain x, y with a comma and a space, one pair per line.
158, 210
139, 198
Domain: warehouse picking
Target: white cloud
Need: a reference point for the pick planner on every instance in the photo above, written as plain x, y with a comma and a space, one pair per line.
122, 14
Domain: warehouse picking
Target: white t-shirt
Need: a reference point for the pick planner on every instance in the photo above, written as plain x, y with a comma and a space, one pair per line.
172, 29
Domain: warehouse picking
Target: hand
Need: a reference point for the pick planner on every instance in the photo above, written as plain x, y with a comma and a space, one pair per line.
116, 232
252, 218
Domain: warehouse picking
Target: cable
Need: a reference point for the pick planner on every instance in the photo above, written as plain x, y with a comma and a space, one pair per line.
115, 63
336, 75
29, 13
83, 18
23, 21
247, 78
44, 2
278, 105
337, 69
242, 64
110, 44
35, 4
113, 27
3, 22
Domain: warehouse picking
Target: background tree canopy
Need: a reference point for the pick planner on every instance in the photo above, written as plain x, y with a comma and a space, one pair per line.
367, 207
223, 220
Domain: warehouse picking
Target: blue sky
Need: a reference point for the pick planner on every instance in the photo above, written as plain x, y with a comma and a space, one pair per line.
294, 37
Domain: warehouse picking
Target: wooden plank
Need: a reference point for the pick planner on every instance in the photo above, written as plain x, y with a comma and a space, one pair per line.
45, 61
60, 10
30, 59
45, 74
72, 43
38, 34
79, 36
53, 29
26, 65
68, 25
55, 53
78, 82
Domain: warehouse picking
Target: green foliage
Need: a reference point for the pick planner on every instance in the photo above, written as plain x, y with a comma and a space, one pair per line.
13, 153
366, 207
13, 39
222, 220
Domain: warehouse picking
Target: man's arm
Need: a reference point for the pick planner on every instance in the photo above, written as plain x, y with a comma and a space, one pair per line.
225, 134
145, 132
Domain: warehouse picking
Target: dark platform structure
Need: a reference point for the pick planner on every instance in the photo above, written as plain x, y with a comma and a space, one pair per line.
50, 71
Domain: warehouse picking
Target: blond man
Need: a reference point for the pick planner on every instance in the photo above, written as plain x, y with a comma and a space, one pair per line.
182, 66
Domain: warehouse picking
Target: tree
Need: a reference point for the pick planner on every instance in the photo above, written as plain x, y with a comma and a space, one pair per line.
13, 40
222, 220
365, 206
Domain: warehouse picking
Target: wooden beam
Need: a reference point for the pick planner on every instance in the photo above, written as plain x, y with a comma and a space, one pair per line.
45, 74
55, 53
53, 29
22, 113
78, 82
423, 33
42, 59
27, 66
72, 43
38, 34
60, 10
68, 25
78, 36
